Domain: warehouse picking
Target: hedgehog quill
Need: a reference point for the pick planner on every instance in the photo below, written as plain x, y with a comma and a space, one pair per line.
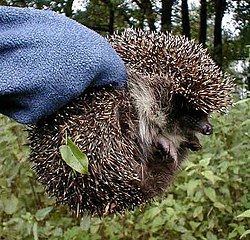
135, 139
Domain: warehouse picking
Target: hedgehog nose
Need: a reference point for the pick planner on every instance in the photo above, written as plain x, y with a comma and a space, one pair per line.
207, 129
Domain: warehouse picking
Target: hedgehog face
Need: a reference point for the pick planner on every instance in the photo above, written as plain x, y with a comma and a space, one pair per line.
179, 135
196, 121
189, 119
175, 145
192, 123
167, 122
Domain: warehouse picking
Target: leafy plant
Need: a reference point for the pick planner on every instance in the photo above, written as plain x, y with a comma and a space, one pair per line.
74, 157
209, 198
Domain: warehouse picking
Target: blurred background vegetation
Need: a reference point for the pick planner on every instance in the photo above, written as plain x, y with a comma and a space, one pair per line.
210, 198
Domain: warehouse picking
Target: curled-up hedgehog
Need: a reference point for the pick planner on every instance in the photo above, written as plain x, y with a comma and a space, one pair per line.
135, 139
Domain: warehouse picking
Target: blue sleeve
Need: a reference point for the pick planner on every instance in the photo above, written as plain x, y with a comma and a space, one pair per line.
47, 59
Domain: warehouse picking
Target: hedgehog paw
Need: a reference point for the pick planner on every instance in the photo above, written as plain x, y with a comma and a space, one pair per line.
168, 149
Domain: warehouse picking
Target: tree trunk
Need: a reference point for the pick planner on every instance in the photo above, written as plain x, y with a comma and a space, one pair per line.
248, 80
203, 23
68, 8
111, 20
111, 23
166, 15
248, 71
150, 14
185, 19
148, 11
220, 6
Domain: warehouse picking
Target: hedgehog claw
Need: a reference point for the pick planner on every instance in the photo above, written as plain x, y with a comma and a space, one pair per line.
168, 149
193, 144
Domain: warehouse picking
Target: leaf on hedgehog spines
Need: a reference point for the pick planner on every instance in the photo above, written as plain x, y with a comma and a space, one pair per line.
74, 157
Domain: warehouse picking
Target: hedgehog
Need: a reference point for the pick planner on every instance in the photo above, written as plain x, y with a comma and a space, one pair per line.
137, 138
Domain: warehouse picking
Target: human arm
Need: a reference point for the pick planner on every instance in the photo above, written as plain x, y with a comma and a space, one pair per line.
47, 59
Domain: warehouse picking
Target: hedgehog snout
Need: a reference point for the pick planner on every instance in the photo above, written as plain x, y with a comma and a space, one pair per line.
203, 125
196, 121
207, 129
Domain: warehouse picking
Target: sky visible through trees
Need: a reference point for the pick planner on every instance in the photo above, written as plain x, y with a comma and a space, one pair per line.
227, 21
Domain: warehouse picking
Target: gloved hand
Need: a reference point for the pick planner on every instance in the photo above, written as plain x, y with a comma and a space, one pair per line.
47, 59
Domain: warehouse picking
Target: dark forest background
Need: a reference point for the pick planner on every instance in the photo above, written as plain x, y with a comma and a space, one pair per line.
202, 21
210, 197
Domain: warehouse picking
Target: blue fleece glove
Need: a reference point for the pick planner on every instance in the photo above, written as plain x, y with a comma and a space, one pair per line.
47, 59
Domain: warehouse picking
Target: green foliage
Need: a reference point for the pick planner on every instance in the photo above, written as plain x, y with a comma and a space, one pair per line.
208, 200
24, 208
74, 157
96, 15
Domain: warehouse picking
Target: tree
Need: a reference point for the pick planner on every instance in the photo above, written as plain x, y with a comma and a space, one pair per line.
203, 23
111, 11
146, 7
220, 6
67, 8
166, 13
185, 19
106, 16
60, 6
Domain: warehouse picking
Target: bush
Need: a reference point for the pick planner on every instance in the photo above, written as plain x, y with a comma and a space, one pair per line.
208, 200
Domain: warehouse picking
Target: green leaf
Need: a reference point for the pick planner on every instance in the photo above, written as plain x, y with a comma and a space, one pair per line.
35, 231
246, 122
74, 157
10, 204
198, 212
150, 214
194, 225
158, 222
210, 176
85, 222
210, 193
73, 233
211, 236
180, 229
42, 213
191, 186
219, 205
245, 214
188, 236
245, 233
206, 160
